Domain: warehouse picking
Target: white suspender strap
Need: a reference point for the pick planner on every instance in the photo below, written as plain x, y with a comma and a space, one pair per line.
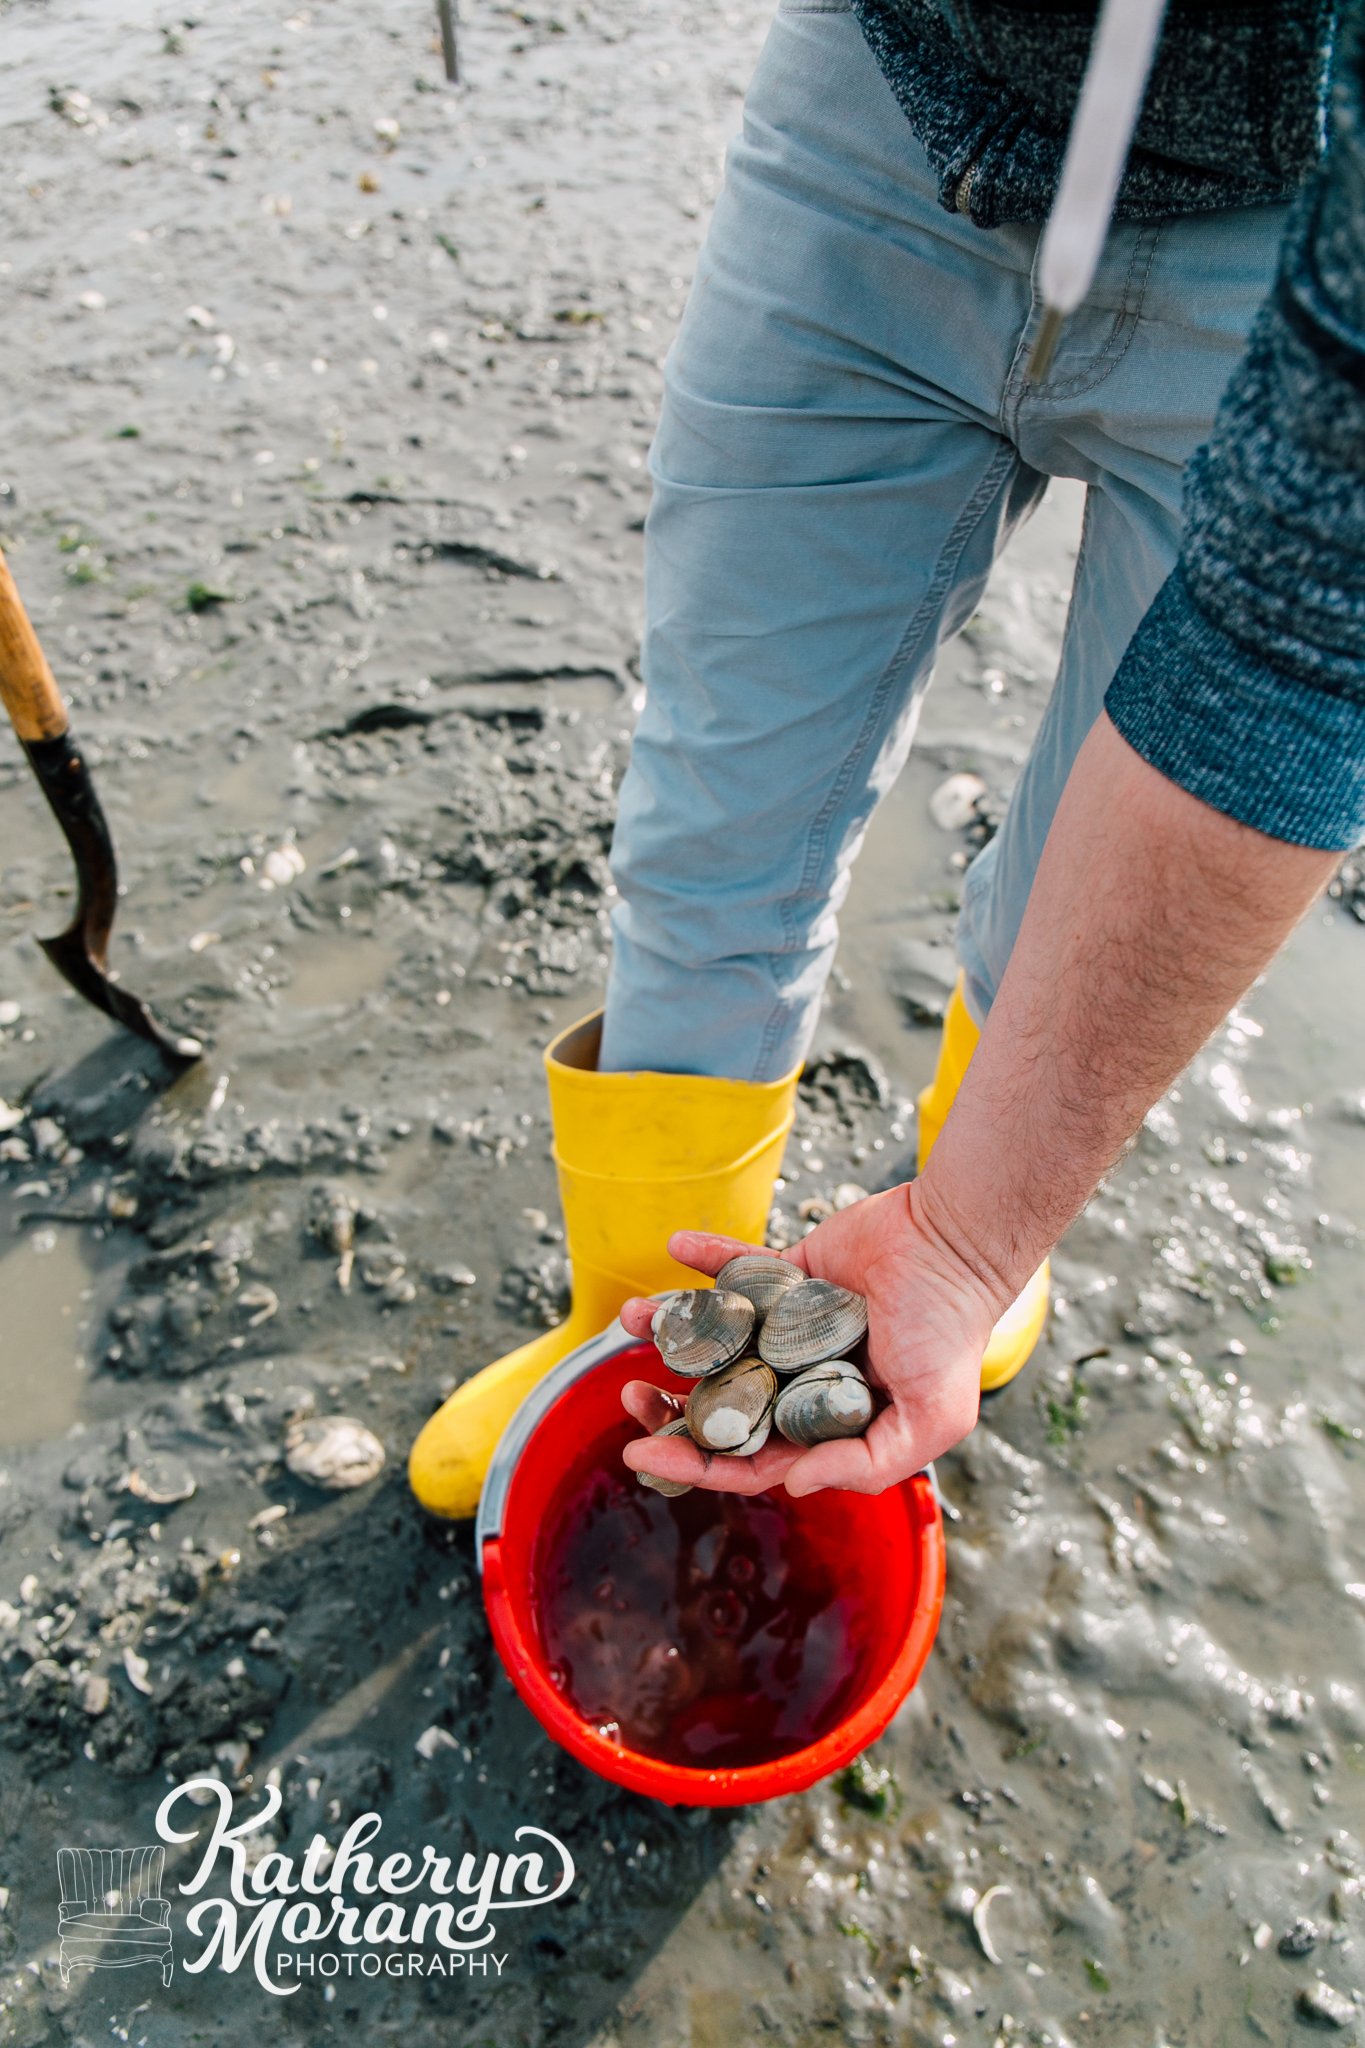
1096, 151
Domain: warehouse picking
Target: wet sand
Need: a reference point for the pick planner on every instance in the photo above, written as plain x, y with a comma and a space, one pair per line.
325, 493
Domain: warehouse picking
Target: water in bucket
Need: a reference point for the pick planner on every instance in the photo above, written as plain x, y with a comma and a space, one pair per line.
706, 1630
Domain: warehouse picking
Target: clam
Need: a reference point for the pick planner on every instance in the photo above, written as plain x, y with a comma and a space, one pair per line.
731, 1410
678, 1427
814, 1321
699, 1329
334, 1452
825, 1401
761, 1281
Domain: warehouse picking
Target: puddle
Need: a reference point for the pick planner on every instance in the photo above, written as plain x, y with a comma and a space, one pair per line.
328, 969
54, 1288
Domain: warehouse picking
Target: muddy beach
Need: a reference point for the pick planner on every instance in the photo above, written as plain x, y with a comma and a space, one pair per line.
331, 392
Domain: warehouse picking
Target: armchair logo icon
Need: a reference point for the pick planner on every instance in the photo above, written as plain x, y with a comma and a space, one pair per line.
112, 1914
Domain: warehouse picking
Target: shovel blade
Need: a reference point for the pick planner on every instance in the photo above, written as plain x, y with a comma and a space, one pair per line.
71, 958
78, 953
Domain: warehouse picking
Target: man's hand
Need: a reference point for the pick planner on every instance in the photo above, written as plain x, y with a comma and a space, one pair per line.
1150, 915
928, 1320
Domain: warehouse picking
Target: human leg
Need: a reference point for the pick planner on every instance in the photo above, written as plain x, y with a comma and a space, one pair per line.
826, 508
830, 489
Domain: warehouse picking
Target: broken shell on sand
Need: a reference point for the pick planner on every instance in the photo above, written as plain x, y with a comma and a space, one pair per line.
333, 1451
160, 1480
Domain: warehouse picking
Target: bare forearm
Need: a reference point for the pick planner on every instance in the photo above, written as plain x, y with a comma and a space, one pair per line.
1150, 915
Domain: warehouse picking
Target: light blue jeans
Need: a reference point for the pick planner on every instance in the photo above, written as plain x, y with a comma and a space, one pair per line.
846, 441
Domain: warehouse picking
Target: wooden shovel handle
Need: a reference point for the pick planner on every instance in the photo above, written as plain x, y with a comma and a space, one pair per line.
27, 686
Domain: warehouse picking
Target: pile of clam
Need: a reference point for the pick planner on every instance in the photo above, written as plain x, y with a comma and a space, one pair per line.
766, 1349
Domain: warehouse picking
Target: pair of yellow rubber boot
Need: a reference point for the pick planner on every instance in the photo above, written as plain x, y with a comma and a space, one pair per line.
640, 1155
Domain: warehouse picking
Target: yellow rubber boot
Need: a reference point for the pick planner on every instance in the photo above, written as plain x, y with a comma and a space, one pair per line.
1018, 1330
639, 1155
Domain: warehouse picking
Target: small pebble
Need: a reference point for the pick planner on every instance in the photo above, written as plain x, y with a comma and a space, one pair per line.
953, 804
1302, 1937
49, 1139
448, 1279
233, 1756
283, 865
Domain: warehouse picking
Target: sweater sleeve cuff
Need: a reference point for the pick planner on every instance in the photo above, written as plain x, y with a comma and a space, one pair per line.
1255, 743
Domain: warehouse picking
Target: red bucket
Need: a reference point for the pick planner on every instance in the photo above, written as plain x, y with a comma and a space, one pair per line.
794, 1683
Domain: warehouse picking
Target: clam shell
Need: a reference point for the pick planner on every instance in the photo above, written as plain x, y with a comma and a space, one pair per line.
161, 1480
814, 1321
333, 1451
761, 1281
731, 1410
824, 1402
699, 1329
678, 1427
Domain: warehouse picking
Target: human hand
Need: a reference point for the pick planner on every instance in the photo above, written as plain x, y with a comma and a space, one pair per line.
930, 1313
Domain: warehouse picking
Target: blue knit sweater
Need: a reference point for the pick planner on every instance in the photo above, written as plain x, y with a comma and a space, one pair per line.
1245, 683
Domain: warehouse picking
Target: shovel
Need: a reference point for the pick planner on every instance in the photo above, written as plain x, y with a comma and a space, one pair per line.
34, 704
445, 10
